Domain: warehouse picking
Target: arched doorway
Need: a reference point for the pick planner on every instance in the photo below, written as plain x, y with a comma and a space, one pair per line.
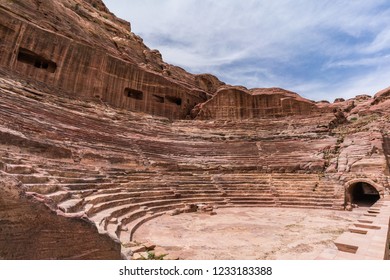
362, 193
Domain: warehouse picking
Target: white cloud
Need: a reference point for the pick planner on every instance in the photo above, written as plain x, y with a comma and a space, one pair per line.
364, 61
346, 88
381, 42
263, 37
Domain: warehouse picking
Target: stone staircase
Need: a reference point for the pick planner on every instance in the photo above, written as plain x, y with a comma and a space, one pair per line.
246, 189
303, 191
367, 239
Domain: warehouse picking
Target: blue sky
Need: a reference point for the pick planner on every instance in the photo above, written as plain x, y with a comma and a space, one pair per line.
320, 49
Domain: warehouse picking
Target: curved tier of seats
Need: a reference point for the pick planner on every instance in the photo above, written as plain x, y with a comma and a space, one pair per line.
118, 169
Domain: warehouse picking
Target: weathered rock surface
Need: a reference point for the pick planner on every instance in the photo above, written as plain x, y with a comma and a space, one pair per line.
94, 125
90, 54
382, 96
82, 50
237, 103
29, 231
140, 167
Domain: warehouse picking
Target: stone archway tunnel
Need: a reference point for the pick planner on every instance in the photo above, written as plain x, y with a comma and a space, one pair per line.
362, 193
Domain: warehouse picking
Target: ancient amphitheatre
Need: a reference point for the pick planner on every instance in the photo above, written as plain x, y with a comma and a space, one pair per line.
108, 152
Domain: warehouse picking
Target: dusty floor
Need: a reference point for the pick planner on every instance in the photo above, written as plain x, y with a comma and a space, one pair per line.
248, 233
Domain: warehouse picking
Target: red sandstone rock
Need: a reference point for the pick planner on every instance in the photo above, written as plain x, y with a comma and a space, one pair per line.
238, 103
208, 83
382, 96
118, 168
90, 54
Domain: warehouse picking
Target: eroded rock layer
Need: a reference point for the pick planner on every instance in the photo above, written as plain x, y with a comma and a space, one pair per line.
94, 125
73, 63
139, 167
29, 231
236, 103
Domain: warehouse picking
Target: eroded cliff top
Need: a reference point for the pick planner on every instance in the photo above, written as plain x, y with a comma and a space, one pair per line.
90, 22
92, 25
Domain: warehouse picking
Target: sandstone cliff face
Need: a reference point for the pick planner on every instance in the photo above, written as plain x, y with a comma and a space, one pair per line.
106, 62
236, 103
119, 168
82, 50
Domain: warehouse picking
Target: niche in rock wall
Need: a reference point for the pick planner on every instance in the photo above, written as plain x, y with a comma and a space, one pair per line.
174, 100
158, 98
134, 94
29, 57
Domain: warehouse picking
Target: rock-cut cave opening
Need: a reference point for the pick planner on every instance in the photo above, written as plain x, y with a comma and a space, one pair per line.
174, 100
134, 94
363, 194
29, 57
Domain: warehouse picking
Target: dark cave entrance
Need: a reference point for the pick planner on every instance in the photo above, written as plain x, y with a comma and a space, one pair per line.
174, 100
363, 194
31, 58
134, 94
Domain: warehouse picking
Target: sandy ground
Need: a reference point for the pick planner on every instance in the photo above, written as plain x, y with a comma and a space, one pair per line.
248, 233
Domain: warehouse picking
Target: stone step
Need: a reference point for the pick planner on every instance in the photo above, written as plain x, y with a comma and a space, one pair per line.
199, 195
118, 211
68, 180
293, 187
59, 196
71, 205
130, 217
295, 177
74, 187
100, 198
210, 190
308, 204
249, 188
74, 173
252, 202
349, 242
136, 224
244, 183
367, 226
191, 183
110, 215
247, 205
32, 179
85, 185
358, 230
304, 200
43, 188
19, 169
134, 201
304, 197
15, 160
251, 197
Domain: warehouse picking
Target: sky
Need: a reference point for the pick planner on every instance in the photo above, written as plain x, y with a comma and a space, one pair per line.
320, 49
